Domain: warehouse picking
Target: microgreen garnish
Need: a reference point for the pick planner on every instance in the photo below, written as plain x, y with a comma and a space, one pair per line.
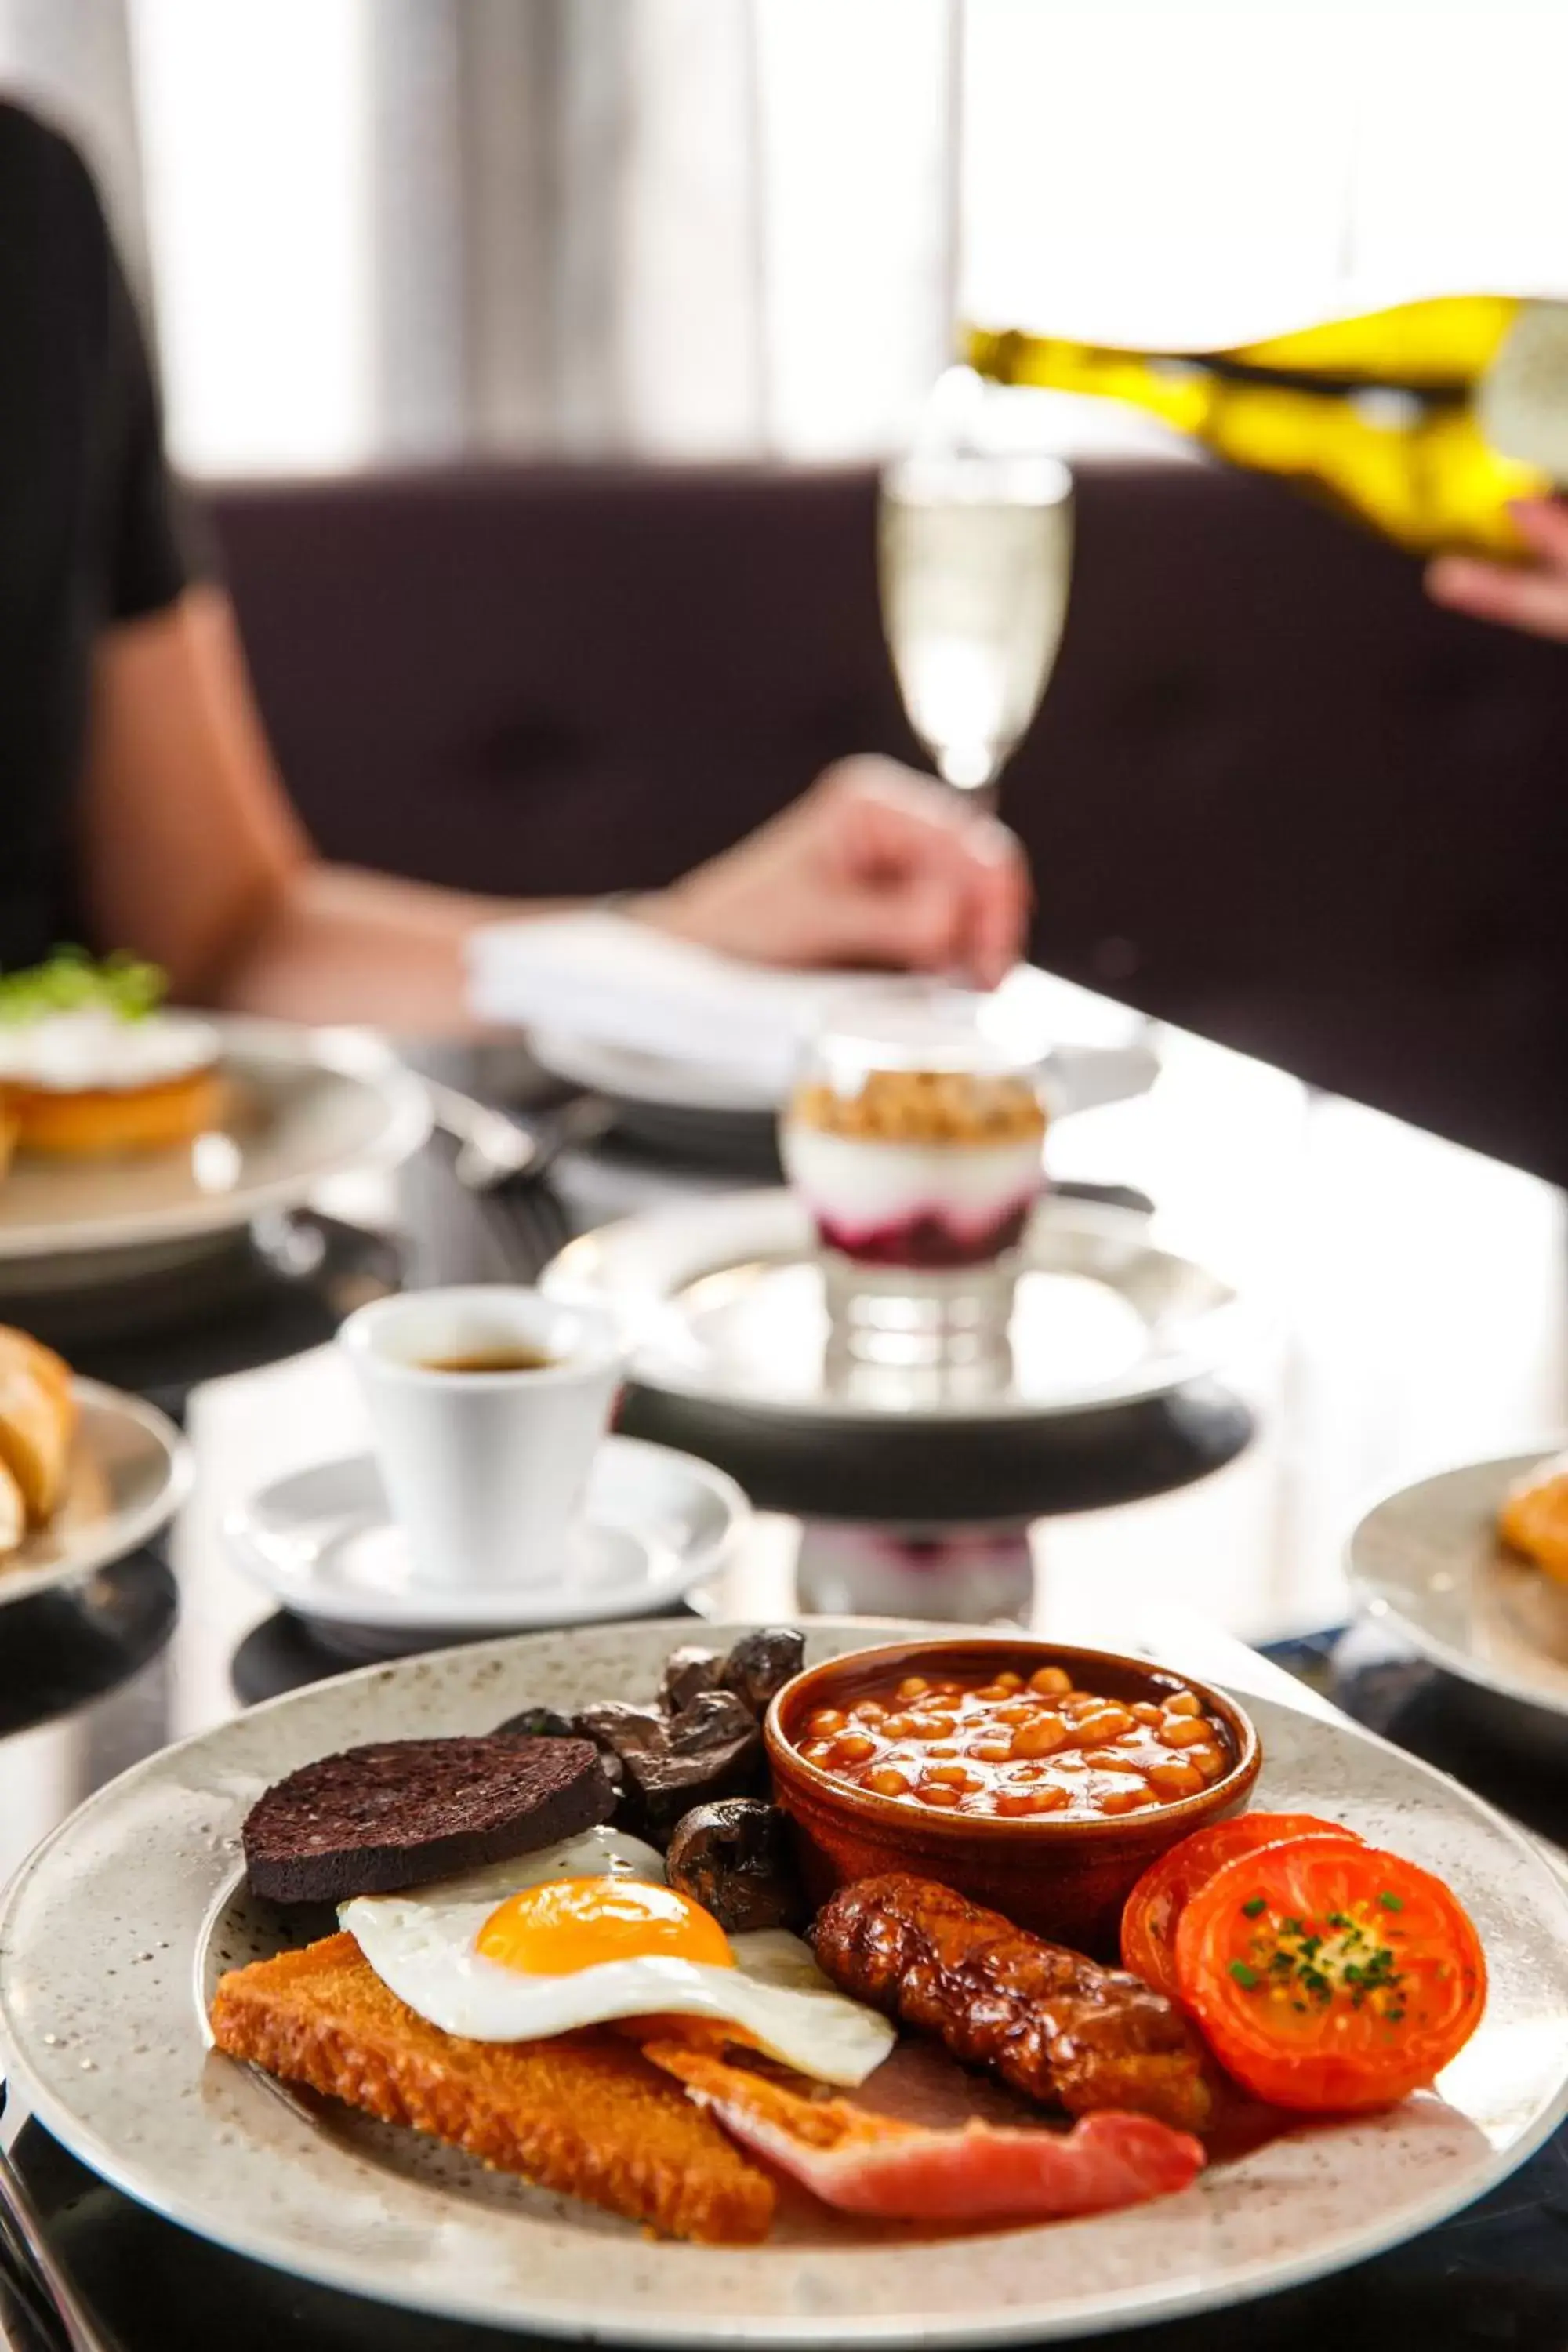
69, 980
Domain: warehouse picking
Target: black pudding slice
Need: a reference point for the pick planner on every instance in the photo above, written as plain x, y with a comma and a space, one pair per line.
405, 1811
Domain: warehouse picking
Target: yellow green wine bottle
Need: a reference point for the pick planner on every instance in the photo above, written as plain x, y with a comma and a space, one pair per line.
1425, 421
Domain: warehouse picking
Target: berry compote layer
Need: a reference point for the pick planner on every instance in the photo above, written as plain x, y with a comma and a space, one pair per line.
924, 1170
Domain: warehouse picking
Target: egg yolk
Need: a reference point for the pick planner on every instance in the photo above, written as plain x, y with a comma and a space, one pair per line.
582, 1923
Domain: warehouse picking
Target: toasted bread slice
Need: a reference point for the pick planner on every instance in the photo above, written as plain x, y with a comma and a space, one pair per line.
38, 1421
585, 2113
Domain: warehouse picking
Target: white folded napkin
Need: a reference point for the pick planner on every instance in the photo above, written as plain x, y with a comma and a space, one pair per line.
607, 979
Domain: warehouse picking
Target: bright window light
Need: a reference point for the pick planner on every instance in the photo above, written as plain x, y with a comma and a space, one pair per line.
254, 144
853, 160
1201, 173
785, 253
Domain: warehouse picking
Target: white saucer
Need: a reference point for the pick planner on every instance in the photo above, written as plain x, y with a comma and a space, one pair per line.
322, 1542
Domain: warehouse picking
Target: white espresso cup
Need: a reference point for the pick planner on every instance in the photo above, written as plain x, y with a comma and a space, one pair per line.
485, 1469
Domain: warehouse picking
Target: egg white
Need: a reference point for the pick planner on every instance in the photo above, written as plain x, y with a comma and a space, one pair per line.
421, 1945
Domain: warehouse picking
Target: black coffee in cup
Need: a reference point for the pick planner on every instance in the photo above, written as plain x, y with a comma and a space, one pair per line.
491, 1360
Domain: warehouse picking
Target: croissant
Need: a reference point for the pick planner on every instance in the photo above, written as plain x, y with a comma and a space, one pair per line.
37, 1424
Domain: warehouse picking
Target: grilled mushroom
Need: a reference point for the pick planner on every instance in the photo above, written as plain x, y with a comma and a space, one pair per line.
712, 1748
760, 1664
688, 1673
733, 1858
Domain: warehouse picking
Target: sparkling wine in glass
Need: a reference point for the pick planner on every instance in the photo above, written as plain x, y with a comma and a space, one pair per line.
974, 549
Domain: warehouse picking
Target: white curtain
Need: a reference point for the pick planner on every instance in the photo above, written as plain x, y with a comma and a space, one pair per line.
406, 228
387, 229
70, 60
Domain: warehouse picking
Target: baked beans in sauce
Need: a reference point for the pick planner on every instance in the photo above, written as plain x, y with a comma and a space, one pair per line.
1018, 1747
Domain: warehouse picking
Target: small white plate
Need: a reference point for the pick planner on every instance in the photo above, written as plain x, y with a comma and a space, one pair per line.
725, 1294
308, 1104
1427, 1561
113, 1936
322, 1542
1099, 1052
1076, 1077
627, 1075
130, 1472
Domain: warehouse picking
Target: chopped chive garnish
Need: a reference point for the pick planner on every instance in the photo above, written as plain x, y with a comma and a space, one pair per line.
1250, 1910
1391, 1902
1245, 1977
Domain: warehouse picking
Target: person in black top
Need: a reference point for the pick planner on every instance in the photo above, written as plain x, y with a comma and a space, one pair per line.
139, 802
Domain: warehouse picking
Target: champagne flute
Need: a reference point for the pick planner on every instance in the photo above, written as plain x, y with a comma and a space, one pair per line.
974, 554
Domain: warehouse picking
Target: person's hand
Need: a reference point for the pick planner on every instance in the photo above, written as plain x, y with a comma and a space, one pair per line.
1534, 597
873, 865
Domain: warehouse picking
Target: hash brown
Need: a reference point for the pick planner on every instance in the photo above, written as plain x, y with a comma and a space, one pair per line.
585, 2113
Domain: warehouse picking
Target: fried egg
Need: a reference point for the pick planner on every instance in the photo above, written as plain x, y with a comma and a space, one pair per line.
588, 1931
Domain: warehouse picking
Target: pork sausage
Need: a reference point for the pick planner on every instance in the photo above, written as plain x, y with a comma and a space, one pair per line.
1058, 2027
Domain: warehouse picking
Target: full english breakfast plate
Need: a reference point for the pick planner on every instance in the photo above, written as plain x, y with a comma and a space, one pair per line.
567, 1984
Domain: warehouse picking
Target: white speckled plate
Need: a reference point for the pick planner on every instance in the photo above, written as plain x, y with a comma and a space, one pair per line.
1428, 1560
130, 1471
114, 1933
725, 1296
306, 1105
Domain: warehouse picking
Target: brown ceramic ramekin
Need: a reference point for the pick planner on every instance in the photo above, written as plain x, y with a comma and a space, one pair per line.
1065, 1878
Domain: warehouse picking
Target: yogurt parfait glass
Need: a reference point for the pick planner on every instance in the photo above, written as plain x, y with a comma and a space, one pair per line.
914, 1136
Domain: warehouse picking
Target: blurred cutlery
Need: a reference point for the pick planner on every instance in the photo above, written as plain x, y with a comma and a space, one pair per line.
495, 1150
23, 2234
